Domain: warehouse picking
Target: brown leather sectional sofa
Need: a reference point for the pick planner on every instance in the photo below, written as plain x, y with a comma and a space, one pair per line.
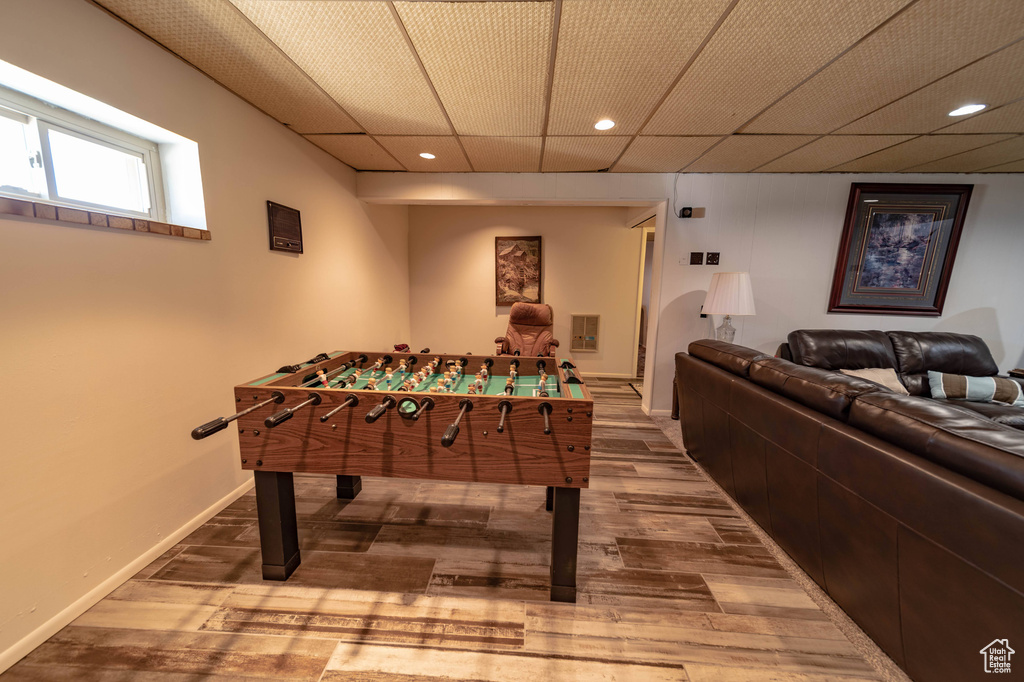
907, 511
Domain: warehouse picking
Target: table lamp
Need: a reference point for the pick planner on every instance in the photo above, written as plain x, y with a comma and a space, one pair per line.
729, 294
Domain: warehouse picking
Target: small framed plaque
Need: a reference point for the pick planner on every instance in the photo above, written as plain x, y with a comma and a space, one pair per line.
285, 228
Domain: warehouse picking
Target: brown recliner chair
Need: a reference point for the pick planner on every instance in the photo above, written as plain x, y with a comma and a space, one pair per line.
529, 331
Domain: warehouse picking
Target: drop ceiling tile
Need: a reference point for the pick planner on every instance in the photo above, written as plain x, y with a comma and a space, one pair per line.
216, 37
924, 43
829, 151
487, 60
350, 49
450, 158
616, 59
1014, 167
358, 151
503, 154
994, 80
916, 152
976, 159
1005, 119
744, 153
761, 51
581, 153
662, 154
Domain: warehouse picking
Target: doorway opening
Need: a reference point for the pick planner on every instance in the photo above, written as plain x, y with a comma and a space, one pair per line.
644, 301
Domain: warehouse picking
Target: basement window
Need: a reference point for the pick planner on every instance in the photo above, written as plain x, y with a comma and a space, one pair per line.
53, 155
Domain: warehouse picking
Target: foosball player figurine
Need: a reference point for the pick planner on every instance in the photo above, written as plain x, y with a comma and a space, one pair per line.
377, 365
441, 386
479, 383
388, 376
510, 386
371, 384
472, 389
402, 367
323, 378
483, 372
406, 385
543, 381
512, 374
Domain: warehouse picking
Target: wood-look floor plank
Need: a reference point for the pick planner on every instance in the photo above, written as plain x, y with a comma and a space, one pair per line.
87, 649
488, 666
417, 581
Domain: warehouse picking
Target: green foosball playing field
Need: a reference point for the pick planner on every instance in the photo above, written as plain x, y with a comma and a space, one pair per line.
493, 385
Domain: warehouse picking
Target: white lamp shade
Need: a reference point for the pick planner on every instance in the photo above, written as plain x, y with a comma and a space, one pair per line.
729, 294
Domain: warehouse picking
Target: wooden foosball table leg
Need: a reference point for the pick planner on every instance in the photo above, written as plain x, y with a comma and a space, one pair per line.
349, 487
565, 529
279, 533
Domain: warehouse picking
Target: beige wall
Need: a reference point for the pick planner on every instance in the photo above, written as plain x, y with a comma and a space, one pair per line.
115, 345
590, 264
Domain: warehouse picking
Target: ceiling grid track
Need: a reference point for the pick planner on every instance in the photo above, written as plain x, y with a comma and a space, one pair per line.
675, 81
796, 87
555, 25
904, 96
430, 83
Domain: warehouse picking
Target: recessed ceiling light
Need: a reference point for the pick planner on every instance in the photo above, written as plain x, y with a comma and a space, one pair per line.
967, 109
427, 155
605, 124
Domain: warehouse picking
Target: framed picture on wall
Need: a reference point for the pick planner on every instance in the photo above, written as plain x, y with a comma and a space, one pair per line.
897, 250
516, 270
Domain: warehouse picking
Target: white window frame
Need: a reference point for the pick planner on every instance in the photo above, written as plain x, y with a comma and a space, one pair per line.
43, 117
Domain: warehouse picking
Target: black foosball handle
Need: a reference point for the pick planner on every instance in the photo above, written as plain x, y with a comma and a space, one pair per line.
221, 423
449, 435
542, 365
505, 406
286, 414
378, 411
545, 409
210, 428
453, 430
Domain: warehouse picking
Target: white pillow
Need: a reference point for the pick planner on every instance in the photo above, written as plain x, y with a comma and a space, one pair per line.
886, 377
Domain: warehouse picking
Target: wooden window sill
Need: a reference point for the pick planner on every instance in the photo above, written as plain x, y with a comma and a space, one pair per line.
40, 211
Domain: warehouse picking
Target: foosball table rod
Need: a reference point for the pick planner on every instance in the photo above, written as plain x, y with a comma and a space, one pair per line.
221, 423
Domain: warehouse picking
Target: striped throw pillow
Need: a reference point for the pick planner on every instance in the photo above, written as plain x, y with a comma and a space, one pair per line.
976, 389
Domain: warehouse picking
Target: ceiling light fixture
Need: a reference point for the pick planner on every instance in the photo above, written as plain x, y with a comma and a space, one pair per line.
605, 124
427, 155
967, 109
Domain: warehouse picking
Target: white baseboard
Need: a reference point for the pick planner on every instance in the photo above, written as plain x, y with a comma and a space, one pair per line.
26, 644
607, 375
660, 413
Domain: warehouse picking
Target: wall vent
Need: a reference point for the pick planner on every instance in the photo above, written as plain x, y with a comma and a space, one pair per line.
585, 333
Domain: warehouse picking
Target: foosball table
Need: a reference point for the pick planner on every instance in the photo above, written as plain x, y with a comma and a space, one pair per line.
491, 419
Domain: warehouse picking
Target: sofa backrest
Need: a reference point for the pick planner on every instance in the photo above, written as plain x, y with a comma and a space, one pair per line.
835, 349
828, 392
948, 435
919, 352
728, 356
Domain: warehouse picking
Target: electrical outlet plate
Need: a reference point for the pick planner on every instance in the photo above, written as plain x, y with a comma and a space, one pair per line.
713, 257
696, 257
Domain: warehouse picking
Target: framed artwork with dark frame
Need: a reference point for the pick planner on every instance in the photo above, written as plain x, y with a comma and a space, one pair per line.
516, 270
897, 250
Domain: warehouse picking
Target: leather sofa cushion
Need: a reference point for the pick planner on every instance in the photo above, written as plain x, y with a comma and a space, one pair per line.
728, 356
949, 435
918, 352
1007, 415
842, 348
829, 392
